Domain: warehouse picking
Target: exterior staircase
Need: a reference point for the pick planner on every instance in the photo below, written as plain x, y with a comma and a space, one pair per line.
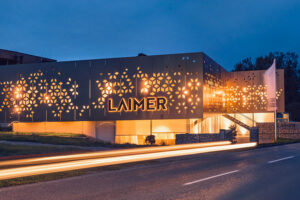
242, 124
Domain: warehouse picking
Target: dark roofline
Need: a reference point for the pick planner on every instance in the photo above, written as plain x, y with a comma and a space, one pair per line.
9, 52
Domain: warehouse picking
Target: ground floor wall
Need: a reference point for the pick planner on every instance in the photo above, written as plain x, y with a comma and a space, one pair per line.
121, 132
136, 131
213, 122
102, 130
285, 130
223, 135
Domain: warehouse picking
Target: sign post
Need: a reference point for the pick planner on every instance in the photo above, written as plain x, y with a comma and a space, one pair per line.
275, 119
270, 84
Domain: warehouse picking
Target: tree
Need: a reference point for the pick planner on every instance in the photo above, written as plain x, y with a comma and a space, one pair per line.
233, 130
244, 65
150, 139
287, 61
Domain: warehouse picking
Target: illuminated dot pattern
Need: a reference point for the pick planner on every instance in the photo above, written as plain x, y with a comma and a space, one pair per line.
183, 90
150, 84
232, 96
27, 94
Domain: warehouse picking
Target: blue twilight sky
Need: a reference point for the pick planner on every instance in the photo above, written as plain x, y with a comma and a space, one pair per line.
226, 30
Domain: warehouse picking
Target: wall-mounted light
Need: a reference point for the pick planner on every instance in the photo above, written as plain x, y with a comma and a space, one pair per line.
108, 87
146, 87
18, 93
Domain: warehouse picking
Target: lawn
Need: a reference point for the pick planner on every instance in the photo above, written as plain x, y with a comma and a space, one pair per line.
53, 138
14, 150
40, 178
59, 138
284, 140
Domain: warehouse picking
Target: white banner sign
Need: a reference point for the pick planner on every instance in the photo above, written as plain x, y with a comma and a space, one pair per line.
270, 83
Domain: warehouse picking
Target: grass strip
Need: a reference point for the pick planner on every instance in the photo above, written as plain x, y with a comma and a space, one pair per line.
14, 150
67, 174
59, 139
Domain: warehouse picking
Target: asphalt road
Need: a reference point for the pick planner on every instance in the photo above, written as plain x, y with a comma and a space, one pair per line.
265, 173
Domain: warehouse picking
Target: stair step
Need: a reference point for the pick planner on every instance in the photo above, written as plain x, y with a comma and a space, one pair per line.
242, 124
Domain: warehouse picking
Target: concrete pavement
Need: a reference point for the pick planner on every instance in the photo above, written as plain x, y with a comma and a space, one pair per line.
265, 173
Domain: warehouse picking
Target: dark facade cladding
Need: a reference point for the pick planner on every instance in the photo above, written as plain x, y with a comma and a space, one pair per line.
177, 86
81, 90
237, 92
12, 58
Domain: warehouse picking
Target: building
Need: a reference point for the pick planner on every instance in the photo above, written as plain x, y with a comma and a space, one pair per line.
12, 58
123, 100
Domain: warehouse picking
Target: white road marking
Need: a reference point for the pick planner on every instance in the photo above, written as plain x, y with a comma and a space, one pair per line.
211, 177
285, 158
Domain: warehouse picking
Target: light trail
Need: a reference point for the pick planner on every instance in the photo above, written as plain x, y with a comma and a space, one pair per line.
109, 153
82, 164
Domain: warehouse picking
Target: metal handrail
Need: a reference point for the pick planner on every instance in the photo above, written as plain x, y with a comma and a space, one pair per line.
243, 115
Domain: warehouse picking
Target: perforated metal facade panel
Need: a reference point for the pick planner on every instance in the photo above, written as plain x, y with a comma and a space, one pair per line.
168, 86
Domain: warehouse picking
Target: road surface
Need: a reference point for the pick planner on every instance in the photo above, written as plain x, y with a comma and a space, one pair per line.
264, 173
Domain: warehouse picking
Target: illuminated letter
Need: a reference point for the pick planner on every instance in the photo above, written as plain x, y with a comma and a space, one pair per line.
123, 105
130, 104
151, 103
161, 103
111, 108
138, 104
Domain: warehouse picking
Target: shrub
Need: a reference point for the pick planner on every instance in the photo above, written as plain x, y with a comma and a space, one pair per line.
150, 139
233, 133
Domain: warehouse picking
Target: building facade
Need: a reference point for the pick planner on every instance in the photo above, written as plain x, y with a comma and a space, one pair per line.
123, 100
12, 58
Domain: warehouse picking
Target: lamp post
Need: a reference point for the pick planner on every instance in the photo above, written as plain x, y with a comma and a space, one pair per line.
46, 100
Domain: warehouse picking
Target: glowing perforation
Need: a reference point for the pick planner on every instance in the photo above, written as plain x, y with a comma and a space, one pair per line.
7, 89
155, 83
113, 76
108, 88
168, 85
139, 73
145, 86
17, 109
177, 73
194, 84
253, 97
101, 101
94, 105
83, 109
22, 84
57, 96
182, 92
74, 89
44, 98
116, 83
69, 81
43, 84
180, 107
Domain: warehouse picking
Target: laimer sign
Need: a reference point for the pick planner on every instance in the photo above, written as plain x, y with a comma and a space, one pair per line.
133, 104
